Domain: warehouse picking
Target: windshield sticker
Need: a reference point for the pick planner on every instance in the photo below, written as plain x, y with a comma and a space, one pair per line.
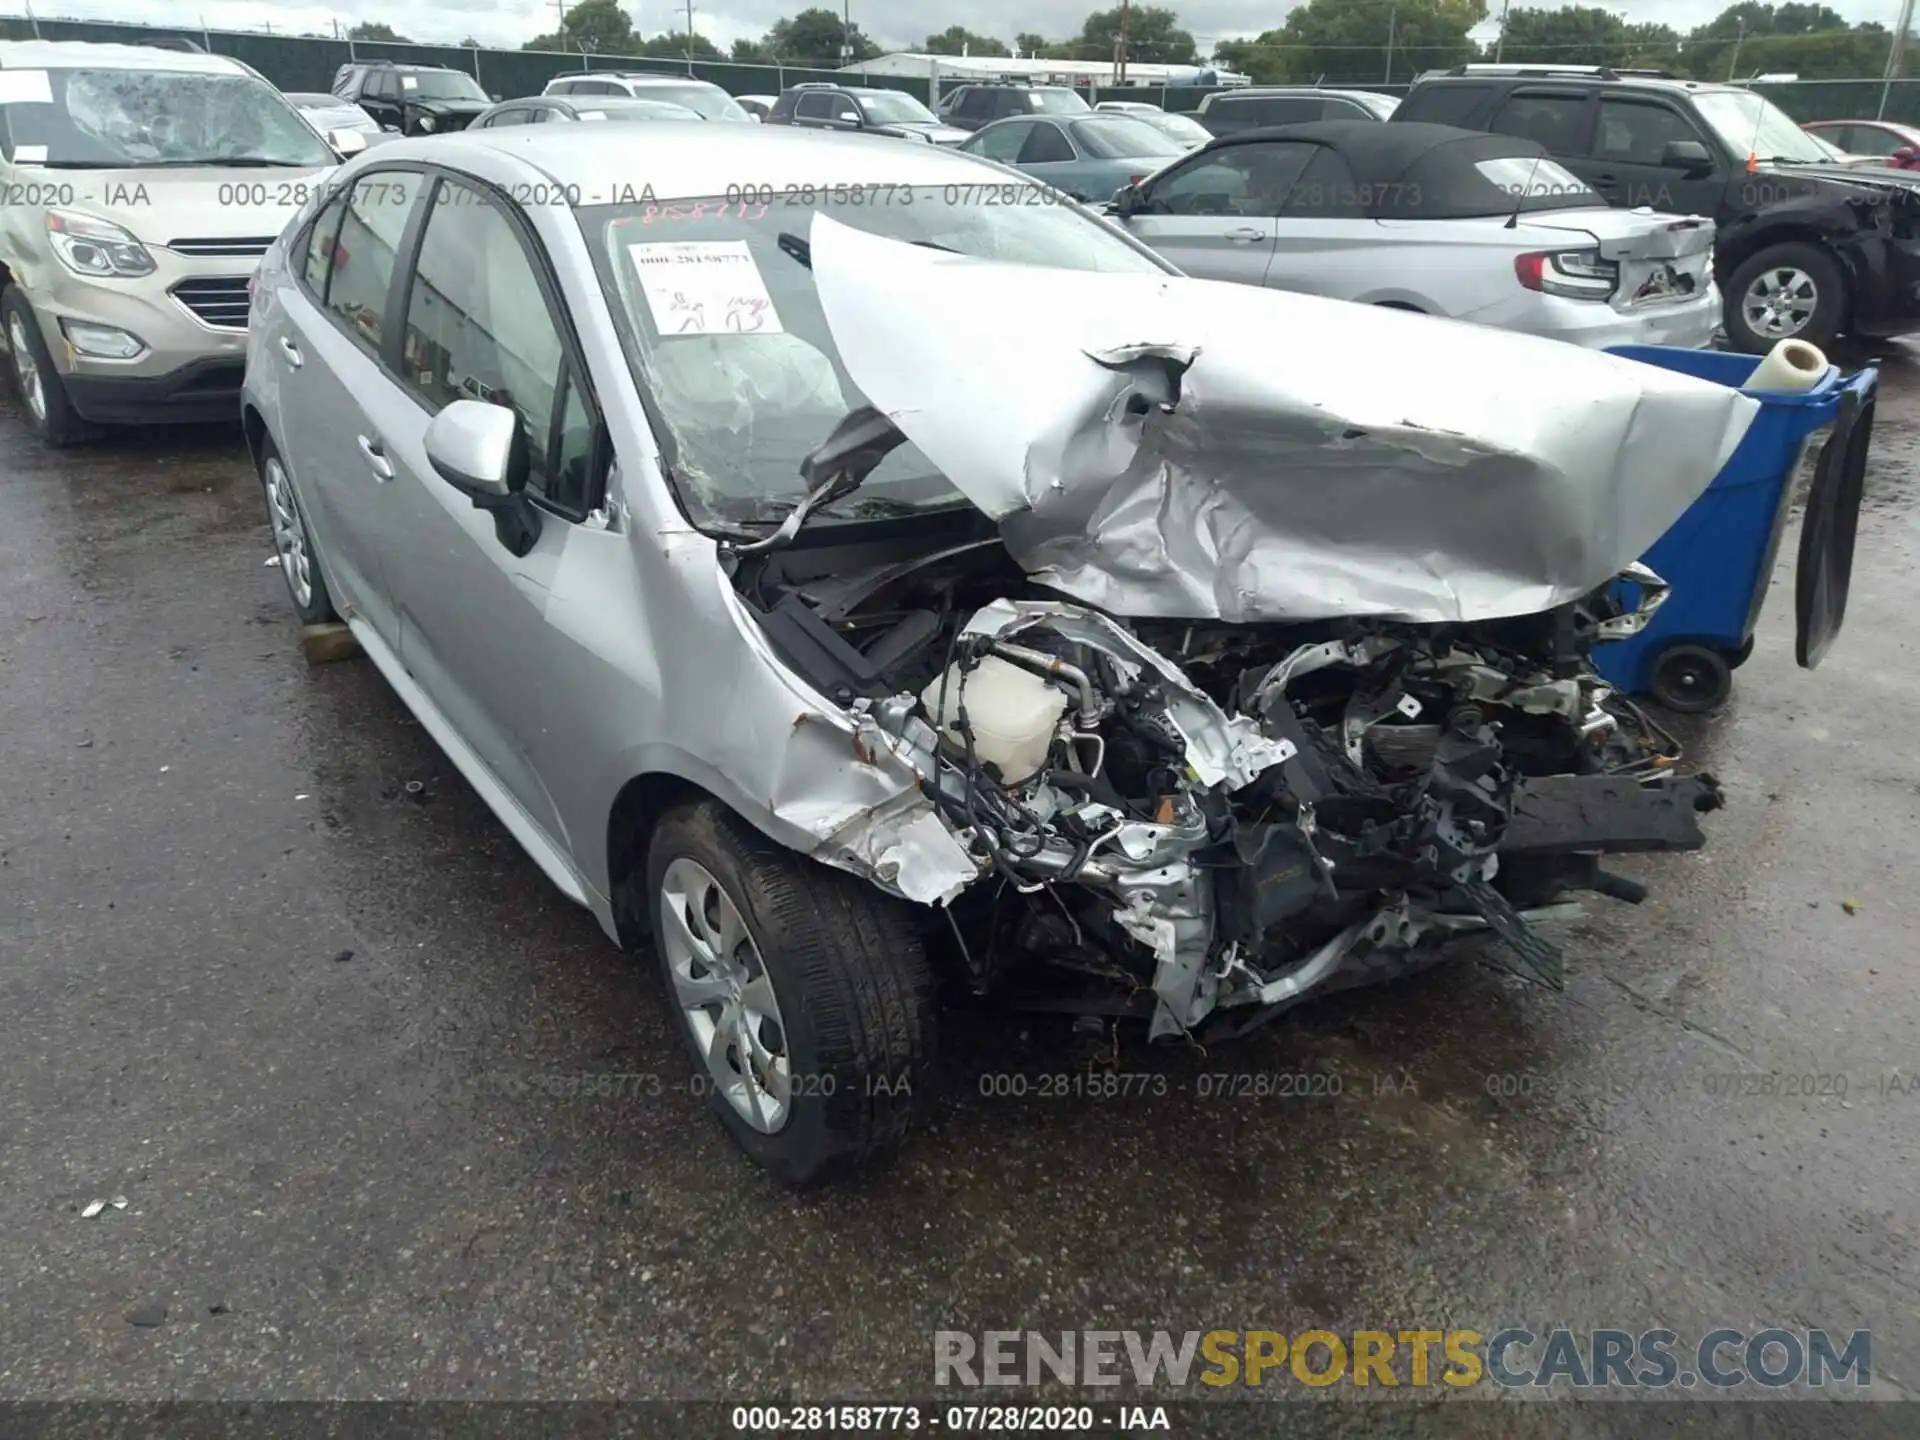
29, 154
704, 287
409, 82
593, 114
703, 210
25, 87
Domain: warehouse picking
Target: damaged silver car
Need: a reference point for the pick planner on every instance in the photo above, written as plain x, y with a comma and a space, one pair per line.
877, 571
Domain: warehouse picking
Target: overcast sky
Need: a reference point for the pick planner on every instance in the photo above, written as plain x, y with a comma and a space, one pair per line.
897, 24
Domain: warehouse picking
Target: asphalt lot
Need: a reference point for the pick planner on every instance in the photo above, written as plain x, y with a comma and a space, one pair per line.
345, 1177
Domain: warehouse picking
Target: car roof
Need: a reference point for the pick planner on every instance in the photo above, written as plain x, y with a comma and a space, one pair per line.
1550, 76
1292, 90
680, 159
1369, 145
87, 55
641, 77
318, 98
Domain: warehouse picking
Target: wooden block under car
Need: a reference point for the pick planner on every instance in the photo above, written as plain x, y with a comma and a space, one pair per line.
325, 644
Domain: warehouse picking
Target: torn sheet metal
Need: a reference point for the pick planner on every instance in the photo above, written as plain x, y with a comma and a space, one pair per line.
1166, 447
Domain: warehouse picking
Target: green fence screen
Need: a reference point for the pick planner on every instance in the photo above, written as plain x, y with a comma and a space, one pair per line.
301, 63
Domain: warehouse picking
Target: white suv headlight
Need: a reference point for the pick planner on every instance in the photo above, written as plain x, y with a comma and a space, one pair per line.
426, 122
88, 246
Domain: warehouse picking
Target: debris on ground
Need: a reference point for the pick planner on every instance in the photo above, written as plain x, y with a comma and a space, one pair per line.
343, 957
1850, 905
148, 1316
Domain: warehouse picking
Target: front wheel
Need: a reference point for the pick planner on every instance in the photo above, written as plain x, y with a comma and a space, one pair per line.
1794, 291
50, 414
803, 993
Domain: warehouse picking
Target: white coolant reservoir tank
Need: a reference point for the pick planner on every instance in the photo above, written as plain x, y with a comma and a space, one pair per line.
1012, 713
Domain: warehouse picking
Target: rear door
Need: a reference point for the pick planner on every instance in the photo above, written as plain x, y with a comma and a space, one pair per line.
1047, 154
814, 109
381, 99
1559, 118
482, 321
1003, 141
1215, 214
338, 314
1627, 157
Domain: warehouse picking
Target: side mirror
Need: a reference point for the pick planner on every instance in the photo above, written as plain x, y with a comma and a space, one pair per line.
494, 98
481, 451
1689, 157
1906, 154
1128, 200
848, 117
391, 129
347, 143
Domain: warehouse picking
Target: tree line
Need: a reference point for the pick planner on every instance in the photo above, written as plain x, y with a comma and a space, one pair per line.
1330, 41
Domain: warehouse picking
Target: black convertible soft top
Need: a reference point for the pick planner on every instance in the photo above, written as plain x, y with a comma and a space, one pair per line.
1416, 171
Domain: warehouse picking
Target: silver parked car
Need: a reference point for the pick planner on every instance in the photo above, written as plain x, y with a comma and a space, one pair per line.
141, 186
331, 115
613, 493
1448, 222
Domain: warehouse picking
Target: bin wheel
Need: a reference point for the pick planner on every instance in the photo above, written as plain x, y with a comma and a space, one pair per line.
1691, 679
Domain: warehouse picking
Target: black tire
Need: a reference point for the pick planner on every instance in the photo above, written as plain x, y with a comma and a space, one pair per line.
54, 421
1691, 679
317, 608
855, 993
1829, 294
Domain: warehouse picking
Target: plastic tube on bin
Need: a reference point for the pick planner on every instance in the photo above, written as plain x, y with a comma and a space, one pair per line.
1792, 367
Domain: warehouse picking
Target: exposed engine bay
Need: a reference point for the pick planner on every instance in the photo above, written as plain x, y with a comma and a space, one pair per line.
1201, 823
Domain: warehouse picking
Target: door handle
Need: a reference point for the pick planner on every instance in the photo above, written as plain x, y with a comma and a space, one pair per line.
376, 458
1605, 182
1245, 233
292, 352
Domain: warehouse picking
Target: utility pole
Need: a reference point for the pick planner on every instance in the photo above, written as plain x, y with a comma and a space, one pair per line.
1739, 39
846, 34
1500, 45
1120, 49
689, 37
1893, 55
1393, 12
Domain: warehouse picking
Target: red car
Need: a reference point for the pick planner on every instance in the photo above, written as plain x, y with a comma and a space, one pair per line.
1881, 140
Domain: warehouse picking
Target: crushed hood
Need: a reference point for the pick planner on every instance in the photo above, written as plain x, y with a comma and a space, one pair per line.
1160, 446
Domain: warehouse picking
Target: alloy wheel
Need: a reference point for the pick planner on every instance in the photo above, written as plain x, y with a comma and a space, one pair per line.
27, 370
289, 532
1780, 302
721, 982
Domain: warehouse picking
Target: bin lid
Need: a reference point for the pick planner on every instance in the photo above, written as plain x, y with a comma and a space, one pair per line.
1824, 571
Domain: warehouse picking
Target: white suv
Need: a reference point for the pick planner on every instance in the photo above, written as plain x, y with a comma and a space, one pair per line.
140, 188
707, 100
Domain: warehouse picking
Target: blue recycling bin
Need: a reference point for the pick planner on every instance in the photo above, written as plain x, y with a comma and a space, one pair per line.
1719, 555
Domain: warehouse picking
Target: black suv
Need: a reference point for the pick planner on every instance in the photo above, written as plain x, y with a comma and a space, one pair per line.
972, 106
1806, 245
821, 105
412, 99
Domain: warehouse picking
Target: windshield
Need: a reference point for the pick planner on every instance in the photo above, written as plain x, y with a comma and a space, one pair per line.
709, 102
1381, 105
892, 107
128, 119
1121, 137
719, 318
1179, 127
442, 85
1751, 124
1058, 102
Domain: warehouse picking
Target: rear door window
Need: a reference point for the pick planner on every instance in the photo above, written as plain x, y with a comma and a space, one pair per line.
1444, 104
1325, 189
1005, 141
1045, 145
814, 105
1555, 121
361, 274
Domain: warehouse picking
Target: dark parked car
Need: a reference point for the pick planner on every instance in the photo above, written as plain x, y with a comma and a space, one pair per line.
1226, 112
412, 99
821, 105
1807, 245
971, 106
